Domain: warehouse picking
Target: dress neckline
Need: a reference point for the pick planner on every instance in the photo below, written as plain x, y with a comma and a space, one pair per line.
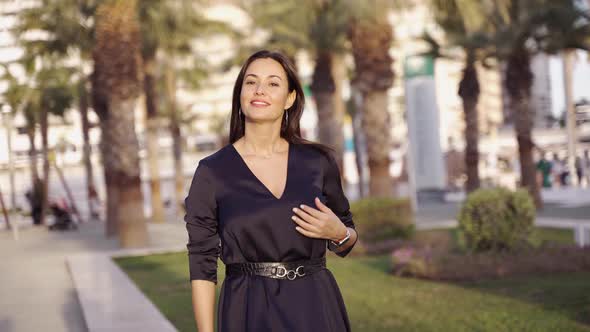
286, 186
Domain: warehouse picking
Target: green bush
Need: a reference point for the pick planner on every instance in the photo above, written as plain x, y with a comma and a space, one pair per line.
382, 219
496, 219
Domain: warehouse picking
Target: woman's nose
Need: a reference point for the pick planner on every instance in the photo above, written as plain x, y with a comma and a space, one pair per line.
259, 90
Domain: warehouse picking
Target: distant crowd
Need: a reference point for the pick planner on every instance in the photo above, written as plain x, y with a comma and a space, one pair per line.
553, 171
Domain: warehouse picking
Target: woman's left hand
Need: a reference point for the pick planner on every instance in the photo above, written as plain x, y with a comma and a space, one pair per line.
319, 223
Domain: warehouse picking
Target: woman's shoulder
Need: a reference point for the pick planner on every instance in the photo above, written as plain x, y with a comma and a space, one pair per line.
216, 159
316, 152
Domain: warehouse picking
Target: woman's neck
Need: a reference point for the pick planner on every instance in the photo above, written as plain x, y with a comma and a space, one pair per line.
262, 139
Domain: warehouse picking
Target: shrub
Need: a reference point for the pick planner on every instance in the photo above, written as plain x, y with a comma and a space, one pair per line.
381, 220
496, 219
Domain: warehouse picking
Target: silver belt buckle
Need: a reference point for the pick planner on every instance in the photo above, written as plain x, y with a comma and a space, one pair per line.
290, 274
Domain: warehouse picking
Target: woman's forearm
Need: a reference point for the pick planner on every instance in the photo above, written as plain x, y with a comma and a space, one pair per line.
204, 304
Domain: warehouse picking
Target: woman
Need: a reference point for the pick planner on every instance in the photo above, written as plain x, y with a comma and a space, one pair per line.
269, 203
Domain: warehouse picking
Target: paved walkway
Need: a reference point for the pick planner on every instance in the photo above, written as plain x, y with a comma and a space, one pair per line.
37, 292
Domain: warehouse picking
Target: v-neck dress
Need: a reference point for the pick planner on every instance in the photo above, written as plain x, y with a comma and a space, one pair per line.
232, 215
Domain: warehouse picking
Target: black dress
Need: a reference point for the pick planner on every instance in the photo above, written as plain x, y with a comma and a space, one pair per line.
231, 213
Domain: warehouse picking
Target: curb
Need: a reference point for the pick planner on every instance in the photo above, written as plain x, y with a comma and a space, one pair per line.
109, 299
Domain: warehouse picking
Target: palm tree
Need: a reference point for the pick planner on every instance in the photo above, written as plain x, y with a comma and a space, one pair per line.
54, 96
328, 35
18, 96
169, 27
458, 23
50, 92
371, 37
67, 25
150, 12
521, 29
116, 87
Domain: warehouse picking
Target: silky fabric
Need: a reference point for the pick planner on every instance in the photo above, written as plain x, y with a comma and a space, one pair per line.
233, 216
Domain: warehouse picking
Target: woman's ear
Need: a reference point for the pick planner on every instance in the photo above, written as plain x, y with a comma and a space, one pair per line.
290, 99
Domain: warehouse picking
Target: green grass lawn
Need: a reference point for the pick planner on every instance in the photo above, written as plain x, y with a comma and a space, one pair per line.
377, 301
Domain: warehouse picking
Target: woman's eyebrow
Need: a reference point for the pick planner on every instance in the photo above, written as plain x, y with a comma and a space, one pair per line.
268, 76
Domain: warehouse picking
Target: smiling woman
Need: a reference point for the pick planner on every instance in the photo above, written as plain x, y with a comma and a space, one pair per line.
269, 204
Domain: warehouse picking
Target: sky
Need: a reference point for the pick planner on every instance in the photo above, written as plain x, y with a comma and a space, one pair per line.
581, 80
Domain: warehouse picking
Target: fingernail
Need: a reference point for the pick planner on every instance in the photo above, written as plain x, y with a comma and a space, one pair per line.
293, 217
302, 206
294, 209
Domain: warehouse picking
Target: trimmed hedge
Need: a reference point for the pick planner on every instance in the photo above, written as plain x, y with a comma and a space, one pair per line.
496, 219
383, 219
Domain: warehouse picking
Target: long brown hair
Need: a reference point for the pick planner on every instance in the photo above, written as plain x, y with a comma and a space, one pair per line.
290, 129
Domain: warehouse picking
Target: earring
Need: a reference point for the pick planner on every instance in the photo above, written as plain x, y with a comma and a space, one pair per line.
286, 116
240, 112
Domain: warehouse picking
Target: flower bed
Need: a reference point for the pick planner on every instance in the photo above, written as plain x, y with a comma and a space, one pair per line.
428, 263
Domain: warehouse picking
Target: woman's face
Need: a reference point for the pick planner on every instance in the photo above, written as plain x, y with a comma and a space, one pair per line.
265, 91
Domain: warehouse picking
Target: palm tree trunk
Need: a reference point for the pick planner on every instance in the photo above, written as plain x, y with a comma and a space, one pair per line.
86, 149
518, 84
376, 126
5, 212
570, 114
36, 184
125, 176
339, 75
152, 138
112, 194
357, 133
370, 41
112, 190
175, 132
469, 92
323, 90
116, 86
32, 153
45, 153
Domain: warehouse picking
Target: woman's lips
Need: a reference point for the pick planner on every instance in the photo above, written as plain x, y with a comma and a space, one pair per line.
259, 103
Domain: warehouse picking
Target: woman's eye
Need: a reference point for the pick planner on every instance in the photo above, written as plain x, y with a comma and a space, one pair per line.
249, 82
274, 84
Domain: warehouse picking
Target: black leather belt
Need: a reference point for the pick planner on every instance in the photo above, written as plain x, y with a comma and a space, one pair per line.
277, 270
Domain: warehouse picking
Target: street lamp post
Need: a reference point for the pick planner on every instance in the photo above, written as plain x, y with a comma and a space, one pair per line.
572, 138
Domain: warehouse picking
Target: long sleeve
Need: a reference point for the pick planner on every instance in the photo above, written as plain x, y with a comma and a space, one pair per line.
336, 200
201, 223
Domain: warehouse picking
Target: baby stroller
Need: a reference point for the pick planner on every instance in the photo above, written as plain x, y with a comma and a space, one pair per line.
62, 217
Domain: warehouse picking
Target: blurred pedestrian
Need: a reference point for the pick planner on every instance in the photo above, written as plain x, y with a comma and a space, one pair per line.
557, 167
544, 167
579, 166
35, 198
564, 177
94, 203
